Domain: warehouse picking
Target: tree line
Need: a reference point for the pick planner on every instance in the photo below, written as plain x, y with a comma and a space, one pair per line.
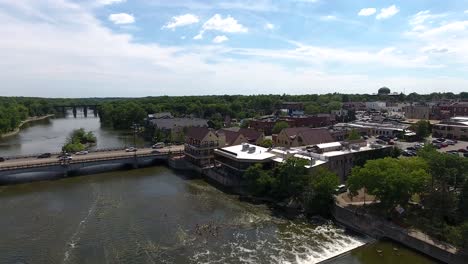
122, 112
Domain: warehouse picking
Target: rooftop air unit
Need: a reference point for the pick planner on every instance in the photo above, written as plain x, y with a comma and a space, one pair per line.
245, 147
252, 149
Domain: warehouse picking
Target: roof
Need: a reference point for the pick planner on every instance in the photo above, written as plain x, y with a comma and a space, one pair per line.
310, 136
169, 123
231, 136
198, 133
252, 135
329, 145
236, 152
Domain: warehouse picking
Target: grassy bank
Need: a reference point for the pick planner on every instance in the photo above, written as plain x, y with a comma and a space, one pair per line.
18, 128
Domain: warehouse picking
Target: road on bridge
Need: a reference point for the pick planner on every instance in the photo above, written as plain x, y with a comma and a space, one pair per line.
89, 156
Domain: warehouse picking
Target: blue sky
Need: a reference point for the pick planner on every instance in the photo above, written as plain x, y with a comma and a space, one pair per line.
84, 48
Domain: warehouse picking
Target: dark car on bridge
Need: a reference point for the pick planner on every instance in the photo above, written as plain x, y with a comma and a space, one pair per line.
44, 156
2, 159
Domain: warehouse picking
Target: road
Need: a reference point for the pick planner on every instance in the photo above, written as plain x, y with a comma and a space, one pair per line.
91, 155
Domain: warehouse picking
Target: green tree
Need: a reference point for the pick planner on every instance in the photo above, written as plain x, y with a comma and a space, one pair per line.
279, 126
392, 181
422, 129
319, 191
259, 181
290, 177
267, 143
353, 135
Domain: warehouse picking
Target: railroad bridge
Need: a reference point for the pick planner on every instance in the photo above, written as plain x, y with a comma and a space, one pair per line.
63, 109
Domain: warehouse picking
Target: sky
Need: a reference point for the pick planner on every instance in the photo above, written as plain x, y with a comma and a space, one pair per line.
135, 48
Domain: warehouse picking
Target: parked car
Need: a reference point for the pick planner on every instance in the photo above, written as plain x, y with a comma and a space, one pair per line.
465, 155
463, 150
84, 152
441, 139
341, 189
158, 145
443, 144
131, 149
436, 141
44, 156
2, 159
450, 142
381, 142
409, 153
437, 145
411, 148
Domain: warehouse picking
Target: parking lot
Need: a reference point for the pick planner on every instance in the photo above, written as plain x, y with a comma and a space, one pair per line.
403, 145
457, 146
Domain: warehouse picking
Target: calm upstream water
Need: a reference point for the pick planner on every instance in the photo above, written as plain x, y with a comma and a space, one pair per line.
49, 135
154, 215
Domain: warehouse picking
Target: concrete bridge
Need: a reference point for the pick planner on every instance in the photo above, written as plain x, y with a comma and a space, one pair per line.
32, 169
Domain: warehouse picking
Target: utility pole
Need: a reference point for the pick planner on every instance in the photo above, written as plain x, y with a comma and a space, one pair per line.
135, 127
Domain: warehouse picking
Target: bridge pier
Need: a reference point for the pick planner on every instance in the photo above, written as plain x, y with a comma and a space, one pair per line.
85, 111
74, 111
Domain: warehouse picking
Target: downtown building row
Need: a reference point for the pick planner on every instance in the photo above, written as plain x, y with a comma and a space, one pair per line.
226, 163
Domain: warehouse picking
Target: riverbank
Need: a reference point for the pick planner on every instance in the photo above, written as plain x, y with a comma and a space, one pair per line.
360, 221
30, 119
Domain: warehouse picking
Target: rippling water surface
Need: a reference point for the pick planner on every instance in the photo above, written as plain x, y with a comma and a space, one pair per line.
154, 216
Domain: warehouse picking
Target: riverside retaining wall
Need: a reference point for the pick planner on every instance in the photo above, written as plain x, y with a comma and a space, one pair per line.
379, 228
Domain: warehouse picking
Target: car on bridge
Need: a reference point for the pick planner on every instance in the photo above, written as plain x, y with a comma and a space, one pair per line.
158, 145
131, 149
44, 156
65, 158
84, 152
2, 159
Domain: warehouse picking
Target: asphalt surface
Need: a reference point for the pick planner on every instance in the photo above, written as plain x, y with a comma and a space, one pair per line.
91, 155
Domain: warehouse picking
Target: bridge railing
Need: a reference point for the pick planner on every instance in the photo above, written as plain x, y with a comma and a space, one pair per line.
35, 155
126, 156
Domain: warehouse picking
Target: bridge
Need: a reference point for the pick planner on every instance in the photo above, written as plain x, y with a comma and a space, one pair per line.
29, 168
63, 109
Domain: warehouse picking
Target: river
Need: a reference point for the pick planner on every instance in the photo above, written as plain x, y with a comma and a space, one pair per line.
155, 215
49, 135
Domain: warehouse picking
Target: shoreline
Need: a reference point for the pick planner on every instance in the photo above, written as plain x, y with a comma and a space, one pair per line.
18, 128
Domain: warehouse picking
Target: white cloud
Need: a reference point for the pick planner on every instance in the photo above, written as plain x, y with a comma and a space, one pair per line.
269, 26
367, 11
182, 20
328, 18
388, 12
466, 11
220, 39
122, 18
110, 2
228, 24
218, 23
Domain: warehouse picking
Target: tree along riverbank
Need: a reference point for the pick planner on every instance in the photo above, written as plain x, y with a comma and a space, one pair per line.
22, 123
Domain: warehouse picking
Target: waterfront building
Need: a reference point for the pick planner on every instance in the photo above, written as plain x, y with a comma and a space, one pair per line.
200, 143
339, 157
